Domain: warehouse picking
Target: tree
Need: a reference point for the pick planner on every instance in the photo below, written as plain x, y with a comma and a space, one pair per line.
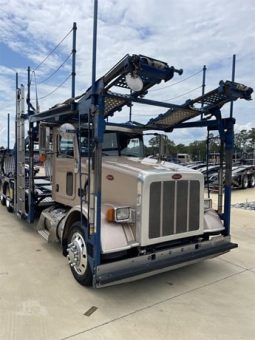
241, 140
251, 134
181, 148
155, 142
197, 150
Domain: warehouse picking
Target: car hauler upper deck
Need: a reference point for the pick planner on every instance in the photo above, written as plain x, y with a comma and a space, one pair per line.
119, 215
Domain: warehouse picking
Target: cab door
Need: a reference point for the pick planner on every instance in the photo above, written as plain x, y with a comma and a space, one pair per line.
66, 168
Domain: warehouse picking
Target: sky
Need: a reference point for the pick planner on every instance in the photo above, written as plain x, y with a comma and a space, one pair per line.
185, 33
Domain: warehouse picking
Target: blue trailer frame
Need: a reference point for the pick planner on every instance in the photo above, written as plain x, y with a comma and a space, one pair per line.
99, 102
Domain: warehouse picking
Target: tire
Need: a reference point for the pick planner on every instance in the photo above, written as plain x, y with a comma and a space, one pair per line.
3, 200
77, 255
245, 182
9, 207
2, 196
8, 199
252, 181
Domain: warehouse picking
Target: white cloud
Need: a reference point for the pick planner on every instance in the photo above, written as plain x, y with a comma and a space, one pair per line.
247, 126
186, 34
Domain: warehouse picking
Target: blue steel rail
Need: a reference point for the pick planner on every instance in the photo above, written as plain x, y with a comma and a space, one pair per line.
213, 101
150, 70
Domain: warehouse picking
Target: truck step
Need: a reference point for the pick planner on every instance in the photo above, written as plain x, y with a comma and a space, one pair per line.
44, 233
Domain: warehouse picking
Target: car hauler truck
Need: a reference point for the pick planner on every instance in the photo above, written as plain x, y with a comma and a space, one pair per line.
118, 215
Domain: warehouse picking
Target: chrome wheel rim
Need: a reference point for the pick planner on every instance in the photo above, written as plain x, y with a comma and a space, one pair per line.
77, 253
8, 203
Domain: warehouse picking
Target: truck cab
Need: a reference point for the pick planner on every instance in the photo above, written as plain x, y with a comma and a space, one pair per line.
146, 203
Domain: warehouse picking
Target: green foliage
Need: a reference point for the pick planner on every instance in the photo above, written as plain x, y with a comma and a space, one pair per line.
244, 141
154, 143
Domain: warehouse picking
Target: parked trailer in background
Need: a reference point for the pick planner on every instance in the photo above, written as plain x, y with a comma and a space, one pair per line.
243, 177
7, 171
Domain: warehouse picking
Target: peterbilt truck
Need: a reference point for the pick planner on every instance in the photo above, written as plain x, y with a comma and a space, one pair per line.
147, 204
118, 215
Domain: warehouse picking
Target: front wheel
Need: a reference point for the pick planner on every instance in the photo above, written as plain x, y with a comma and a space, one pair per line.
77, 255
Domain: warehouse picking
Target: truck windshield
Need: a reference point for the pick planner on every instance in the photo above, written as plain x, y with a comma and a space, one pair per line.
118, 144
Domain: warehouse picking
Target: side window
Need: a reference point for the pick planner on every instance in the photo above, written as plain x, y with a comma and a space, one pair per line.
65, 146
110, 141
110, 144
133, 148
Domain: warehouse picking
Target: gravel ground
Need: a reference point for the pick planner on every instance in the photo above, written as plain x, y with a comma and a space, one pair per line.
245, 205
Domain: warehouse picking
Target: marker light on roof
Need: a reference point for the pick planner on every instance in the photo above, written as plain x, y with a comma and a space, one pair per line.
135, 83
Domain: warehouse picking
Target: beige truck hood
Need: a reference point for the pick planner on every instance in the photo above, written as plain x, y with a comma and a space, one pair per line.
137, 166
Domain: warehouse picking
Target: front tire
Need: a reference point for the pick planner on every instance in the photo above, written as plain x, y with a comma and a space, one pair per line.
77, 255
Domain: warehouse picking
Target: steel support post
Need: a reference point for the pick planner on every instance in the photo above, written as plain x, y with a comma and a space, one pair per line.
207, 162
31, 197
203, 87
220, 177
229, 142
97, 110
17, 94
73, 60
8, 131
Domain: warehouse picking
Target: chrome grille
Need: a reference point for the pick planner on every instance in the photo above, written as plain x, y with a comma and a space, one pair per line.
173, 207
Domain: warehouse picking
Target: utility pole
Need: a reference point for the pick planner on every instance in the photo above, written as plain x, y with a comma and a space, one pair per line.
73, 60
8, 132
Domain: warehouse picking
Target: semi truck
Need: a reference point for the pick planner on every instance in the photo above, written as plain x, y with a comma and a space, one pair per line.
118, 215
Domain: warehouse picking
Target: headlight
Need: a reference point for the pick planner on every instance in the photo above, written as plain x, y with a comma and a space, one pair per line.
207, 203
120, 215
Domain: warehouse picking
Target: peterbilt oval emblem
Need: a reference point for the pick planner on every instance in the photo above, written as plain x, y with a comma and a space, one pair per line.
177, 176
110, 177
